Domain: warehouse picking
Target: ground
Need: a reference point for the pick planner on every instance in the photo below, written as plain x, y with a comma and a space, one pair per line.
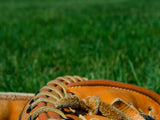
98, 39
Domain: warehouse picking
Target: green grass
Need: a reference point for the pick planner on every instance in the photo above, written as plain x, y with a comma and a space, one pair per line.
98, 39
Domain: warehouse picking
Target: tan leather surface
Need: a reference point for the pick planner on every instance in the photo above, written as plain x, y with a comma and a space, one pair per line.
11, 104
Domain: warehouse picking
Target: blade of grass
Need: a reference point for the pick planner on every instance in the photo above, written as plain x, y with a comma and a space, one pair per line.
134, 73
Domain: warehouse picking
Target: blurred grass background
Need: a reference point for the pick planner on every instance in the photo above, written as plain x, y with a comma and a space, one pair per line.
98, 39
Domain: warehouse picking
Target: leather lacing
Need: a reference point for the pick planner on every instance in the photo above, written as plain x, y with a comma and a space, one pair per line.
59, 93
60, 97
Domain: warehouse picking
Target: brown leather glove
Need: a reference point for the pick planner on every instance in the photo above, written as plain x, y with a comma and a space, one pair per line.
75, 98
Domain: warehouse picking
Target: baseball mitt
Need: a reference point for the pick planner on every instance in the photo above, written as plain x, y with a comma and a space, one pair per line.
76, 98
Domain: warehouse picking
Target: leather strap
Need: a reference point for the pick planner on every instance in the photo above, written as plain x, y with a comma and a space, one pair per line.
127, 109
